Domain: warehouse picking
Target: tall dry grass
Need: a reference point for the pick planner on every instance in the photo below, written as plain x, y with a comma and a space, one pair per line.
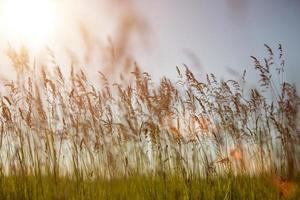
62, 125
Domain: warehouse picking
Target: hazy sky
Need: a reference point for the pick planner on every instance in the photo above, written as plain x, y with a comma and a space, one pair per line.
207, 35
220, 33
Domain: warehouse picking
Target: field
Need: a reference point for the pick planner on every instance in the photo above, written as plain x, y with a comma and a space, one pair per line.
65, 137
145, 187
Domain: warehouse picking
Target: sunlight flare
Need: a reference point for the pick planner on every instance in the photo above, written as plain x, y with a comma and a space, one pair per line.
31, 21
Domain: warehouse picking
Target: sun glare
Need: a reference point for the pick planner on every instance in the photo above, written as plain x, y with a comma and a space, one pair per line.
31, 21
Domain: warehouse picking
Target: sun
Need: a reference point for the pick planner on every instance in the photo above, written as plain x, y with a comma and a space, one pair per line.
32, 21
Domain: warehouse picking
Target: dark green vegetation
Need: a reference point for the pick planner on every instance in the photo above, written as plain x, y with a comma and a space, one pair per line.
66, 138
142, 187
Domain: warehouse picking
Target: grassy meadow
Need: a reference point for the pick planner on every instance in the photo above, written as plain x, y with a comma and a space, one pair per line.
64, 137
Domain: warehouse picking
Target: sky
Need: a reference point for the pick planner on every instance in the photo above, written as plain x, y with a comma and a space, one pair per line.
215, 35
210, 36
